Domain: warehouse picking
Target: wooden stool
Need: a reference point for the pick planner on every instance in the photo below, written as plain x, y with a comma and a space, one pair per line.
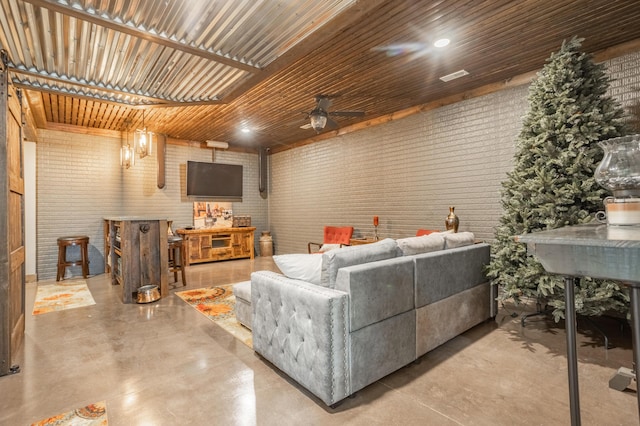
63, 243
177, 264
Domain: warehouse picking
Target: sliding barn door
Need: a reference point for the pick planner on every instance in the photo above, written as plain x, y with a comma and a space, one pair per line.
12, 270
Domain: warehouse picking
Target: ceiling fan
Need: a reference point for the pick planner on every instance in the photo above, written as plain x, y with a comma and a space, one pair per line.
319, 117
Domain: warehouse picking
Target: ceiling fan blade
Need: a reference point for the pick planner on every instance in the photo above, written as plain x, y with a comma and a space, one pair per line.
296, 122
331, 124
347, 113
324, 103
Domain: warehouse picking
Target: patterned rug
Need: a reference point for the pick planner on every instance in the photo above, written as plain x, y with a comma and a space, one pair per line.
216, 303
91, 415
57, 296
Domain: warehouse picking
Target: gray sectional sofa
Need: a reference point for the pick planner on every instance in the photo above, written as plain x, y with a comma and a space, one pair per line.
371, 310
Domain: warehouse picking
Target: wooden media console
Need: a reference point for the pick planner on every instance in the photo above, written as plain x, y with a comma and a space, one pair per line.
213, 244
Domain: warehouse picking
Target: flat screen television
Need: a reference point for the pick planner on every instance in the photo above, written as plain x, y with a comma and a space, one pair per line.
215, 180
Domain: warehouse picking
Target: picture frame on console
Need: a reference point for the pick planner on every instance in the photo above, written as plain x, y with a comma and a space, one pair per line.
212, 215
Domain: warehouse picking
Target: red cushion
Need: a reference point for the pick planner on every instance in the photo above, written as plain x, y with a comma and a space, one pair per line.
337, 234
424, 232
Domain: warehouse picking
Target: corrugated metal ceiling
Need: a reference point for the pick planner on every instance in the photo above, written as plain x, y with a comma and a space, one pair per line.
149, 52
200, 69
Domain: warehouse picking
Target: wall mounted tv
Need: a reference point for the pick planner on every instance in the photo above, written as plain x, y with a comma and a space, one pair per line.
215, 180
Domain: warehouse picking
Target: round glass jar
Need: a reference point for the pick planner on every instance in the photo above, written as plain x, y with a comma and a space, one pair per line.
619, 170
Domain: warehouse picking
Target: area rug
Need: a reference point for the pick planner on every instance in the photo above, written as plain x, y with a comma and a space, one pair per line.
216, 303
57, 296
91, 415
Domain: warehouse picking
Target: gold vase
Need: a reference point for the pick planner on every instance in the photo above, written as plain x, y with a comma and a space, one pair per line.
452, 221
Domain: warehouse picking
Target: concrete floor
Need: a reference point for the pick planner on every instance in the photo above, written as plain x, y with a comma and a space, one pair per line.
166, 364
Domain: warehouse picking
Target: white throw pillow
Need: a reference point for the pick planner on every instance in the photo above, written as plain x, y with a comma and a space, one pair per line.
421, 244
326, 247
300, 266
459, 239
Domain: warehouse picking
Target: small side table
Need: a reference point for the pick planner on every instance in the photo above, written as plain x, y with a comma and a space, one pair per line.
360, 241
592, 250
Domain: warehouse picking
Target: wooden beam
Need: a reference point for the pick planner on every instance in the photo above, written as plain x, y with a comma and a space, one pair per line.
70, 128
30, 126
82, 130
616, 51
36, 107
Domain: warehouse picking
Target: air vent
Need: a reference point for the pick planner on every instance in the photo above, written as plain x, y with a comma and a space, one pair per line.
454, 75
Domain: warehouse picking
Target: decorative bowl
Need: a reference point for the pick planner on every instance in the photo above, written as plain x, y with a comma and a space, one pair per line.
148, 294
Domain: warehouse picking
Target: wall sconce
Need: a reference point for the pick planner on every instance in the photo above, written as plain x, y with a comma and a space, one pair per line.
143, 140
127, 156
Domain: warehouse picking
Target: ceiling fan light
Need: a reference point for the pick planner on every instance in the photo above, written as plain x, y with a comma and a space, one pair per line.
318, 119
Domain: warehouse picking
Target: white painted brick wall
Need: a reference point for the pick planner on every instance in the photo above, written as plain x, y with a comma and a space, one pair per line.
407, 172
80, 181
410, 171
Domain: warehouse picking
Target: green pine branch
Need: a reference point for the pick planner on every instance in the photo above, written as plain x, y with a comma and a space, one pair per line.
552, 184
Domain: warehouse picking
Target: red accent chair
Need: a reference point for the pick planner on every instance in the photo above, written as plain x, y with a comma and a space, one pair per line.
421, 232
334, 235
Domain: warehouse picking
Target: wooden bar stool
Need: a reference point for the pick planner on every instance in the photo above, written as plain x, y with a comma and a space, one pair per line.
176, 264
63, 243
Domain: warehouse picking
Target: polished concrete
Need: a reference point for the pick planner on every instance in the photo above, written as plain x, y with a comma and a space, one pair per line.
166, 364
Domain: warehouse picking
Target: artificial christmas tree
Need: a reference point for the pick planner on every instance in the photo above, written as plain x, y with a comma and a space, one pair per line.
552, 183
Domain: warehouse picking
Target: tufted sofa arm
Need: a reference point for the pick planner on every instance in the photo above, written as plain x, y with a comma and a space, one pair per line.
301, 328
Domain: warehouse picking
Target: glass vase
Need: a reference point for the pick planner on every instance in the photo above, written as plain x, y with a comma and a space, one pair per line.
619, 170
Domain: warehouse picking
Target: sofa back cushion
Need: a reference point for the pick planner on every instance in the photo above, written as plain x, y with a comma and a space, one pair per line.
439, 275
377, 290
333, 260
459, 239
423, 244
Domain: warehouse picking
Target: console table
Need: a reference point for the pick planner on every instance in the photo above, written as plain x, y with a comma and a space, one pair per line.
597, 251
212, 244
137, 254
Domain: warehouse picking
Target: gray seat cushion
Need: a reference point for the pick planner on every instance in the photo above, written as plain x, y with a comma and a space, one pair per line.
243, 291
242, 309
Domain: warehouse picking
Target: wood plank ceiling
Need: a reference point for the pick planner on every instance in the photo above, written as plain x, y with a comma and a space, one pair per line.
200, 70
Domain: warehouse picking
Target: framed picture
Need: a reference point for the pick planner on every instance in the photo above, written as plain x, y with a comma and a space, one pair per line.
212, 215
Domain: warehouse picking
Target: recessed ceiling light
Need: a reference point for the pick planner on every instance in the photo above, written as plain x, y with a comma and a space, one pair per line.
442, 42
245, 130
454, 75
